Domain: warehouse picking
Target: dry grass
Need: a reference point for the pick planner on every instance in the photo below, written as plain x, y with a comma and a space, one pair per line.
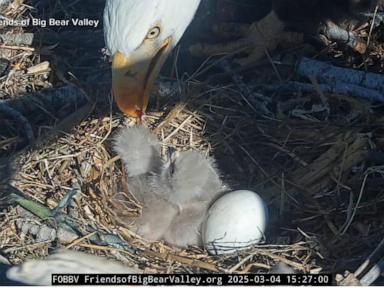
320, 172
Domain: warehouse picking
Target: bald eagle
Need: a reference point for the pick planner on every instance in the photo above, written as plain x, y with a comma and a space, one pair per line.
141, 33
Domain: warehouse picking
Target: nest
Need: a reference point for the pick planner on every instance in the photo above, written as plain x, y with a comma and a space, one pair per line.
315, 158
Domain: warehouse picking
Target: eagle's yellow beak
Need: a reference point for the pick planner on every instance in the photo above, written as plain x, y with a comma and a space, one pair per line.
133, 76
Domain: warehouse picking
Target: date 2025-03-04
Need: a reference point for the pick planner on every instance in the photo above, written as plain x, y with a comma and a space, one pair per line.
193, 279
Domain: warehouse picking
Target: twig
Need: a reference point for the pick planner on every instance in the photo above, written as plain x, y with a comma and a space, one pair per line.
337, 33
245, 90
372, 25
17, 39
65, 201
363, 267
373, 274
336, 87
69, 224
329, 74
184, 260
28, 49
368, 272
345, 228
52, 98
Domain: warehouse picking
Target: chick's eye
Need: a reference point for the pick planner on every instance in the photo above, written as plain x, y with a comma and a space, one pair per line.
153, 33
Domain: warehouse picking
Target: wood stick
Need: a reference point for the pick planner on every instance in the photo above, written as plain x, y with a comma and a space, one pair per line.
329, 74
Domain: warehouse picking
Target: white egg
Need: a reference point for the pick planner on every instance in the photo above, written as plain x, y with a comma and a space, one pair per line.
235, 221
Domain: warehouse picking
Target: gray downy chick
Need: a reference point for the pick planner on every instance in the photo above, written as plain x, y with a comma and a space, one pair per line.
139, 150
195, 178
185, 228
196, 183
175, 194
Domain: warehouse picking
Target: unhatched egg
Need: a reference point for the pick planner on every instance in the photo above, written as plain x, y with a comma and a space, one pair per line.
235, 221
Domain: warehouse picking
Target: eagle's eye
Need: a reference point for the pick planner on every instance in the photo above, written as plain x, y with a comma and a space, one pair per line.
153, 33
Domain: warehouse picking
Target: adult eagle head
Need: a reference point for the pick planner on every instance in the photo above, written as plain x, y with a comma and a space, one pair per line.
139, 35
